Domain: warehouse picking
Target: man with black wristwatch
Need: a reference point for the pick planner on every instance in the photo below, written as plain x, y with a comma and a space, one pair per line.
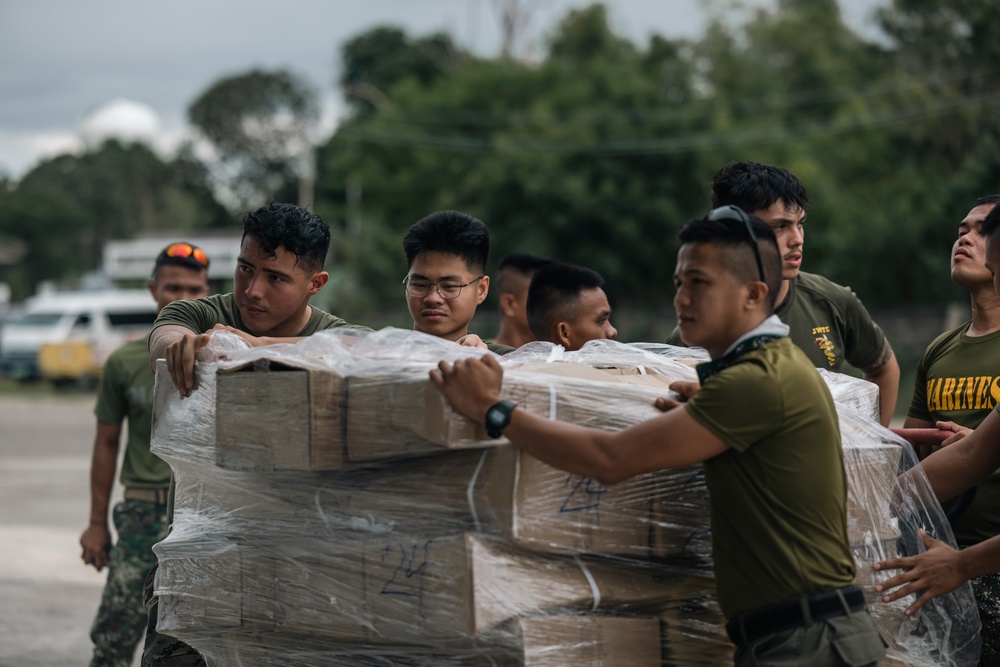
764, 425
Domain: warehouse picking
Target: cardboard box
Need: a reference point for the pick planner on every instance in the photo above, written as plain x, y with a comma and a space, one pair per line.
275, 416
499, 490
397, 589
403, 414
871, 481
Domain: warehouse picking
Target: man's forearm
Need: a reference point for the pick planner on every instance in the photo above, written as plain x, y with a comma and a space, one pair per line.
962, 465
886, 376
102, 475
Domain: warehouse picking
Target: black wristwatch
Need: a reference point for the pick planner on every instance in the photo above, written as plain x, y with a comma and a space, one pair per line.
498, 416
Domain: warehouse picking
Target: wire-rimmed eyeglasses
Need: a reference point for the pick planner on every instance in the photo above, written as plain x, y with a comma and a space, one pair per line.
447, 289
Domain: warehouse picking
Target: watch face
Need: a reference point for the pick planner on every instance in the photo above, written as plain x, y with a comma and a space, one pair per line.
497, 417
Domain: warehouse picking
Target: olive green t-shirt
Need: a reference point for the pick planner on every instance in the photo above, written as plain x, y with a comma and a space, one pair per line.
126, 392
958, 379
200, 315
779, 493
828, 322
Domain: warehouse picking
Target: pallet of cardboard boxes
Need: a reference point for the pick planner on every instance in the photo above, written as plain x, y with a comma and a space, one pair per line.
332, 508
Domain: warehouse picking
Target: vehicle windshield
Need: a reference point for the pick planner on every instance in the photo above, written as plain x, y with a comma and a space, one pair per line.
41, 319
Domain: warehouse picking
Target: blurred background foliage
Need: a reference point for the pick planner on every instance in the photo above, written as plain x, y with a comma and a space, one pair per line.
594, 152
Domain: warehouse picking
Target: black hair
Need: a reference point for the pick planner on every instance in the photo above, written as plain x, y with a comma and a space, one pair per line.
733, 236
554, 288
521, 263
451, 232
292, 227
188, 261
991, 222
754, 187
988, 199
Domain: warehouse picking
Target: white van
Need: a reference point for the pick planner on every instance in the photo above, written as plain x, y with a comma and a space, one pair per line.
101, 321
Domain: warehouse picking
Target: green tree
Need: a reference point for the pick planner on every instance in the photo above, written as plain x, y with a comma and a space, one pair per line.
65, 209
262, 128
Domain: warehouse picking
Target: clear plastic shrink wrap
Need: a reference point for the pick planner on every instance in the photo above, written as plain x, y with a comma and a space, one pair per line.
332, 509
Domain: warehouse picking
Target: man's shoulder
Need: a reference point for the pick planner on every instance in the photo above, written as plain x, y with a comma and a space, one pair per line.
819, 286
324, 320
946, 341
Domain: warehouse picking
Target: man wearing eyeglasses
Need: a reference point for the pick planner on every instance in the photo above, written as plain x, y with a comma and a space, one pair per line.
827, 320
783, 566
447, 253
126, 392
567, 306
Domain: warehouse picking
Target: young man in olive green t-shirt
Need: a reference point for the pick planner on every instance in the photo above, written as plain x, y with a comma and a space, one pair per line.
957, 385
446, 252
825, 319
279, 268
126, 392
765, 427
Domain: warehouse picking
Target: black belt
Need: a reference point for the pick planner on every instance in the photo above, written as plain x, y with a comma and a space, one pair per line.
158, 496
751, 626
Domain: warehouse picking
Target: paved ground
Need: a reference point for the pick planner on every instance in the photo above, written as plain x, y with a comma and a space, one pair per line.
47, 597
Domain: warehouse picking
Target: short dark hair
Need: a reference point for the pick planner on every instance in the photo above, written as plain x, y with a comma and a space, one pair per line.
292, 227
988, 199
991, 222
451, 232
734, 237
554, 289
181, 253
754, 187
521, 263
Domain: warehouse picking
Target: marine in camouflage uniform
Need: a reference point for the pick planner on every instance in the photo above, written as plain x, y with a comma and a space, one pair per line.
140, 519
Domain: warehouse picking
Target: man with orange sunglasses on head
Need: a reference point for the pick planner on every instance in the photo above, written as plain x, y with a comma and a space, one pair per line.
126, 392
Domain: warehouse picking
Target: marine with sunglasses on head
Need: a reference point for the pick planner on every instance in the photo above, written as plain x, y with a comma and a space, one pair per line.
279, 268
827, 320
765, 427
125, 392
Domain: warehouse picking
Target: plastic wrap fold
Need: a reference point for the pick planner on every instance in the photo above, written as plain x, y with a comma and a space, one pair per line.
331, 508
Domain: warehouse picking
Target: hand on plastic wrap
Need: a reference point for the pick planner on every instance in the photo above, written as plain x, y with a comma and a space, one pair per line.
937, 571
96, 544
680, 392
470, 385
472, 340
958, 430
180, 356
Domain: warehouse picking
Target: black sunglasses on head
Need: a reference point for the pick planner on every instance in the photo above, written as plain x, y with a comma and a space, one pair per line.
730, 213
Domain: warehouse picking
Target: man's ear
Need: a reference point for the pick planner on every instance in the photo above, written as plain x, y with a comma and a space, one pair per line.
317, 281
151, 286
507, 304
563, 334
482, 289
756, 293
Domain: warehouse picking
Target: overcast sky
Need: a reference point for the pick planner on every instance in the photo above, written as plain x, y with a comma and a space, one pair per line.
61, 60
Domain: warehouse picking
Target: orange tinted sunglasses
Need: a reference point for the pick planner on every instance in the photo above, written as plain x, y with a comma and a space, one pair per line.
187, 250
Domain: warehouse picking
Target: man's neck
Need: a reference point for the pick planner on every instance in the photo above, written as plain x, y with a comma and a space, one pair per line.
782, 292
985, 311
513, 335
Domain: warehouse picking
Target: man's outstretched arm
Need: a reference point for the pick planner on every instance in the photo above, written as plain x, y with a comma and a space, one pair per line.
671, 440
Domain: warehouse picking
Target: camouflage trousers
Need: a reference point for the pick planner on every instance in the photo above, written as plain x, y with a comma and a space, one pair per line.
987, 590
121, 618
163, 650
